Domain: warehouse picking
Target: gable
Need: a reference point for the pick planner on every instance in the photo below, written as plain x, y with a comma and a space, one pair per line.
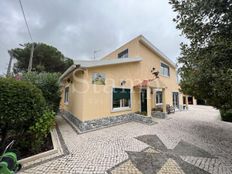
131, 46
150, 56
133, 49
146, 43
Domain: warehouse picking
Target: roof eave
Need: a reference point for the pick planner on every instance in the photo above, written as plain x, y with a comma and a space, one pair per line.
101, 63
68, 71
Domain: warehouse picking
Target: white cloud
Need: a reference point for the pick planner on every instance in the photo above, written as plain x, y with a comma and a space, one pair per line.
77, 27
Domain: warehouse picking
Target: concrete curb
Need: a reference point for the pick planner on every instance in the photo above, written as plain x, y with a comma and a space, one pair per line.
38, 158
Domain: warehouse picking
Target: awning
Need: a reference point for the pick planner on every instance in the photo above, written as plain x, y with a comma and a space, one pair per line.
152, 83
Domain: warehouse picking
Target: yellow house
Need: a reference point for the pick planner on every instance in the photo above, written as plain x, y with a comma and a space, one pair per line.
114, 89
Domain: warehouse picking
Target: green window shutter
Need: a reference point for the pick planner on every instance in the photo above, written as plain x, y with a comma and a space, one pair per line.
126, 94
116, 93
119, 93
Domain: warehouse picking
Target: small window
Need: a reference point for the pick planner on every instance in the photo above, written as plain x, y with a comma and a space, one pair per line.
159, 97
123, 54
164, 70
66, 95
121, 98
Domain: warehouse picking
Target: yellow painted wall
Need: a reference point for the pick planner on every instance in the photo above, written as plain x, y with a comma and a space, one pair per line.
95, 101
151, 60
99, 97
76, 94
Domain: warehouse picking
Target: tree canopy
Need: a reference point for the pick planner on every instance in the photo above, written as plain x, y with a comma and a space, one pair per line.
46, 58
206, 60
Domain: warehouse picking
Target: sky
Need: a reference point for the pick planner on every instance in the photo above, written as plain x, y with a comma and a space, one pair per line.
78, 27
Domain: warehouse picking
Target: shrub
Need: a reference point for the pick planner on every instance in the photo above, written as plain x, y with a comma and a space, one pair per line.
226, 115
48, 83
42, 127
21, 105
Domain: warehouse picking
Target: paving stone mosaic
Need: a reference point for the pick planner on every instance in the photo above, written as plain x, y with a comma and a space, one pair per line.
161, 160
191, 142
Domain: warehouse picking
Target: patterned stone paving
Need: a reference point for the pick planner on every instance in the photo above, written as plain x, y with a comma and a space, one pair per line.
190, 142
126, 167
170, 167
161, 160
214, 166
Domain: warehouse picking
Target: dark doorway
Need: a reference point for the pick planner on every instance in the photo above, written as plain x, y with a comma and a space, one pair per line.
184, 100
190, 100
143, 99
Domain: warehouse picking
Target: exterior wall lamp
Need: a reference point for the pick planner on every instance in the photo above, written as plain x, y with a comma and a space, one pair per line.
123, 83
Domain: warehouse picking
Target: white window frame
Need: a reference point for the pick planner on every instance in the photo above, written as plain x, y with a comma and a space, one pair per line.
66, 100
161, 72
160, 90
128, 108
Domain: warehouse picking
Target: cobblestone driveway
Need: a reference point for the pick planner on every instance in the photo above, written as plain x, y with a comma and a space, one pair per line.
193, 141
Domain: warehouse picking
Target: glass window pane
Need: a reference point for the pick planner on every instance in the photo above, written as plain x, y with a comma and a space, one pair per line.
66, 94
121, 97
164, 69
126, 103
158, 97
116, 103
123, 54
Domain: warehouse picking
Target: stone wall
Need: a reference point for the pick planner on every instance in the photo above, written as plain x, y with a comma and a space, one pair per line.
107, 121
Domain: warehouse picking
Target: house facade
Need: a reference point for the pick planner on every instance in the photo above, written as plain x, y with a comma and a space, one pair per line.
120, 84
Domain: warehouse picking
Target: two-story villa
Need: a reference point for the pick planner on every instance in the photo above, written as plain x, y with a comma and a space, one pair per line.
102, 92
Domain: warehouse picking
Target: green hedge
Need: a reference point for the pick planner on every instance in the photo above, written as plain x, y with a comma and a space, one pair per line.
48, 84
21, 104
24, 116
226, 115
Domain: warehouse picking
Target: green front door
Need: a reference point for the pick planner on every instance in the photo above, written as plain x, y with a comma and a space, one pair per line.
143, 100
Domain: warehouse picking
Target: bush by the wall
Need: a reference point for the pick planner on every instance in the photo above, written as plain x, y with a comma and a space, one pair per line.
48, 83
42, 127
226, 115
21, 105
